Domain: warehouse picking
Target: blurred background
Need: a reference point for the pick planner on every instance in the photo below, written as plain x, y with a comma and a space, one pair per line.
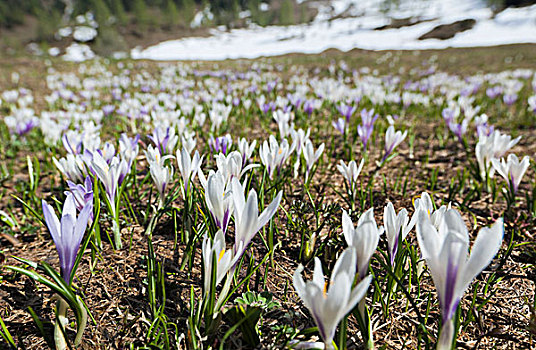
81, 29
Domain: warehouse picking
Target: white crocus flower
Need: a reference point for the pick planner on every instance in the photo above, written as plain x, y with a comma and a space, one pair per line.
274, 155
446, 253
188, 166
246, 213
330, 301
512, 170
218, 199
153, 155
396, 228
129, 148
424, 203
188, 141
162, 176
311, 157
232, 165
283, 122
351, 171
108, 175
246, 149
224, 258
72, 167
492, 146
298, 141
392, 140
364, 237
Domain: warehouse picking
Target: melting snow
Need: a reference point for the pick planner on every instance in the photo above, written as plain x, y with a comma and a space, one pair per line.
513, 25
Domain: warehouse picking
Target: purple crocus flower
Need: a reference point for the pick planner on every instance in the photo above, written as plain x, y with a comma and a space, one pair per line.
295, 100
268, 107
164, 139
220, 144
484, 130
287, 108
445, 250
459, 129
108, 109
72, 141
308, 107
494, 91
67, 233
509, 99
82, 193
26, 126
346, 111
271, 85
129, 148
367, 125
340, 125
449, 114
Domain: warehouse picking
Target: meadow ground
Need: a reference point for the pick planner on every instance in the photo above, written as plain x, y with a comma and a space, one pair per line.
133, 295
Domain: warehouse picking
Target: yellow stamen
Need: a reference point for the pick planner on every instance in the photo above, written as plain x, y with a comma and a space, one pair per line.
325, 291
280, 151
414, 198
222, 253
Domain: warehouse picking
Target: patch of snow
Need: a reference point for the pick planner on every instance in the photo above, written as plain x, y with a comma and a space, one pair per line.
244, 14
202, 17
53, 51
78, 53
508, 27
264, 6
34, 49
65, 32
120, 55
84, 34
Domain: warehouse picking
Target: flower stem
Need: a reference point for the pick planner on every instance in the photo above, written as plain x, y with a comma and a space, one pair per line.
445, 336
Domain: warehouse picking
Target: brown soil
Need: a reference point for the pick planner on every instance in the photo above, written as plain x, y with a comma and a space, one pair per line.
447, 31
115, 287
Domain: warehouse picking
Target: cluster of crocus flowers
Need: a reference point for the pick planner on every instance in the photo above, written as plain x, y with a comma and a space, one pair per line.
164, 139
247, 221
274, 154
330, 301
445, 250
493, 146
364, 238
221, 144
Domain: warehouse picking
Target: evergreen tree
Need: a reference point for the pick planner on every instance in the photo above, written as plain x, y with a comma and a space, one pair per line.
188, 11
286, 13
171, 13
118, 10
140, 13
101, 11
